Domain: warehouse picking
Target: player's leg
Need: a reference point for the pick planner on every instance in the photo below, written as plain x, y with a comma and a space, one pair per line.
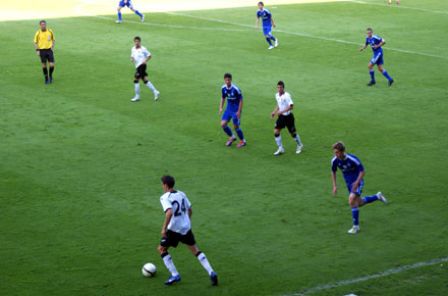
267, 35
225, 127
45, 71
372, 74
119, 15
384, 72
51, 64
151, 87
290, 124
190, 241
275, 40
355, 202
279, 125
239, 132
142, 17
136, 86
165, 243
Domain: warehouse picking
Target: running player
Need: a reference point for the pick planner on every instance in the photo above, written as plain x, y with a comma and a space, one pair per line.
353, 172
234, 97
128, 4
268, 23
44, 44
140, 57
177, 228
376, 43
285, 119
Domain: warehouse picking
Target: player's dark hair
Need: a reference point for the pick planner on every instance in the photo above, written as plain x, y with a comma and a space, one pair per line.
370, 29
260, 3
228, 75
137, 38
339, 146
42, 22
168, 181
281, 83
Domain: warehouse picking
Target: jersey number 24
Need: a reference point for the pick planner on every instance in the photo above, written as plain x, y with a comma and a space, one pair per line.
179, 209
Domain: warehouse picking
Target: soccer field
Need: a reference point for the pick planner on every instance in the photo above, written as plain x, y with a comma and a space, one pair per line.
81, 165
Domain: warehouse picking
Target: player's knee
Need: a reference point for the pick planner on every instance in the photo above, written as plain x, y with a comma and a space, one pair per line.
161, 249
223, 124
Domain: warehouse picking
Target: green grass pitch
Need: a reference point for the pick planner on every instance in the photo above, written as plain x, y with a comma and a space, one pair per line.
80, 163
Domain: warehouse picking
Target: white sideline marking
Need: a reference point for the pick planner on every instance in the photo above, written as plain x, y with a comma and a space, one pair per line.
385, 273
309, 35
394, 6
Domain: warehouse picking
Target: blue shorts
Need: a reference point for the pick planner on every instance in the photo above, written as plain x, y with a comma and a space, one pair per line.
231, 115
267, 30
358, 191
123, 4
377, 59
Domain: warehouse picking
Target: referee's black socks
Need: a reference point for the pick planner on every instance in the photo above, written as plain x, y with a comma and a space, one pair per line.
51, 71
45, 71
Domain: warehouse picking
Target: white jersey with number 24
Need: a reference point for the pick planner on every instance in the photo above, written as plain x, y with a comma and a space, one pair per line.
179, 204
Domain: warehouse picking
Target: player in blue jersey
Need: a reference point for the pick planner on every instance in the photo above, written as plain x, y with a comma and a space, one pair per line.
398, 2
128, 4
353, 172
268, 22
376, 43
232, 94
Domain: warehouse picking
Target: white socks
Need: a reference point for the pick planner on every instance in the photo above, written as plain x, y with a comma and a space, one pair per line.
204, 262
151, 87
137, 89
170, 265
297, 138
278, 140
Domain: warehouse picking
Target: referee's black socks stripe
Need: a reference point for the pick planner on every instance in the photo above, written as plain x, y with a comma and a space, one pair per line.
45, 71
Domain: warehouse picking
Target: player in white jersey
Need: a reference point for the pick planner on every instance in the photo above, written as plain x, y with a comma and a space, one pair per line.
285, 119
140, 57
177, 228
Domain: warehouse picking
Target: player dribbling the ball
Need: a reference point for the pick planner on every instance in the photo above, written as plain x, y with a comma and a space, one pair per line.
177, 228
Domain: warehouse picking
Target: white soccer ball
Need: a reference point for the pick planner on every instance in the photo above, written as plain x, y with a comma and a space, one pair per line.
149, 270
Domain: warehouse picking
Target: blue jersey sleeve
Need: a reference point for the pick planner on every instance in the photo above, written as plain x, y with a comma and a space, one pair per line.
334, 165
223, 93
356, 162
239, 95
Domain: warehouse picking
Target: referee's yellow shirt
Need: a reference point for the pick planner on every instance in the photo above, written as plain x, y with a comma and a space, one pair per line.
44, 39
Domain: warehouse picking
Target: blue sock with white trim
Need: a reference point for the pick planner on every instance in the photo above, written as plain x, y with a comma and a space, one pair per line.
369, 199
239, 132
228, 131
372, 75
138, 13
355, 216
120, 18
387, 75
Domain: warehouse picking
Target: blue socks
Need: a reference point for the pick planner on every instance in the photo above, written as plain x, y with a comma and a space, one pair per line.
119, 16
369, 199
268, 39
138, 13
239, 132
372, 75
387, 75
355, 215
228, 131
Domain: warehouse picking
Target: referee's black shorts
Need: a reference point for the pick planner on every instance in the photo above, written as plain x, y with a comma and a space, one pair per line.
46, 55
172, 239
286, 121
140, 72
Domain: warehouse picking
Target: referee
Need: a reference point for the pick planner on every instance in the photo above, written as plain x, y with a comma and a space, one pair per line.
44, 44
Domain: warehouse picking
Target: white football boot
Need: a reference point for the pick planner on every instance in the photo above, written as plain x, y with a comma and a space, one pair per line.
381, 197
354, 230
279, 151
299, 149
276, 42
135, 99
271, 47
118, 21
156, 95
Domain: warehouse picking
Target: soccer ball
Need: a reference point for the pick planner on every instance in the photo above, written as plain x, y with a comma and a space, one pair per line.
149, 270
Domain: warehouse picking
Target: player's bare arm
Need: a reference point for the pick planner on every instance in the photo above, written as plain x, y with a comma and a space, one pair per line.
221, 105
240, 109
147, 59
274, 112
257, 23
335, 186
364, 47
190, 212
168, 216
273, 22
380, 44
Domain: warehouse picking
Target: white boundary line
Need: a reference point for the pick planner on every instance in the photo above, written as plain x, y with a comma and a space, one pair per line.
308, 35
400, 7
385, 273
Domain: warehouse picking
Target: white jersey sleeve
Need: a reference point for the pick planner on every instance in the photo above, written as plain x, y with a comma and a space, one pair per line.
166, 204
288, 99
146, 52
